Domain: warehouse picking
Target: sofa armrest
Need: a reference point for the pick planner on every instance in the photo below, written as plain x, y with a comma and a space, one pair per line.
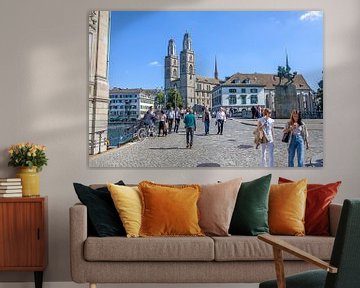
78, 235
334, 217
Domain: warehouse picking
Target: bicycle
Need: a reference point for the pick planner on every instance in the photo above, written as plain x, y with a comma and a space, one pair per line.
149, 130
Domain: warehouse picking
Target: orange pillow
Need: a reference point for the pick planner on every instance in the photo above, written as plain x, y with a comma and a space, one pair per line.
169, 210
287, 204
319, 197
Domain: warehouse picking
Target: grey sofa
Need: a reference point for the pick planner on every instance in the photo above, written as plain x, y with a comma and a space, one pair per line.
234, 259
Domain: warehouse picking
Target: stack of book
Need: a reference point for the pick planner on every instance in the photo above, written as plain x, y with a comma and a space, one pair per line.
10, 187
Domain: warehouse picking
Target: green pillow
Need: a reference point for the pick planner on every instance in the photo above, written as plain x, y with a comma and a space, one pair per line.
250, 216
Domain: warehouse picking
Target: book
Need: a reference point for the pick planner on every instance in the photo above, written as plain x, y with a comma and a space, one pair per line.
10, 191
10, 180
10, 183
2, 188
4, 195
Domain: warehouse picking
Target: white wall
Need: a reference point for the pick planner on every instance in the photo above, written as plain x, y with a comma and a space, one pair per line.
43, 90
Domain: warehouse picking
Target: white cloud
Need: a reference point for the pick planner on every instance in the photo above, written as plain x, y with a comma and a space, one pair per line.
311, 16
154, 63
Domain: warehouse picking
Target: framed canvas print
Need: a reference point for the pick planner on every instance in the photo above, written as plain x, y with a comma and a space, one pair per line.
188, 89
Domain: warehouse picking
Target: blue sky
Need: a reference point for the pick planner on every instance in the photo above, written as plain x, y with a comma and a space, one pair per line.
242, 41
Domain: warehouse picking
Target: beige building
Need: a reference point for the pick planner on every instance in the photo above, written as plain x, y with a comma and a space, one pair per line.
98, 80
181, 75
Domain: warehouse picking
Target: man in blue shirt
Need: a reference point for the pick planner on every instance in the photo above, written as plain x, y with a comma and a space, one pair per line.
190, 126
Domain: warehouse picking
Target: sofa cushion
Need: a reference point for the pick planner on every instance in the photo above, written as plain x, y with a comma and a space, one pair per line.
287, 204
149, 249
245, 248
216, 206
169, 210
102, 215
318, 199
127, 201
250, 215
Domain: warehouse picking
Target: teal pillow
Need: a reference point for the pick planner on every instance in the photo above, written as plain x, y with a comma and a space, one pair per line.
250, 216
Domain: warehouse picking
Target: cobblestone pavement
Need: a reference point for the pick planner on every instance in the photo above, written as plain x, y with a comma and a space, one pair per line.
235, 148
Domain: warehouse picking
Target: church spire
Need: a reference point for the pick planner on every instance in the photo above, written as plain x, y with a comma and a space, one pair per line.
171, 47
287, 62
187, 42
216, 74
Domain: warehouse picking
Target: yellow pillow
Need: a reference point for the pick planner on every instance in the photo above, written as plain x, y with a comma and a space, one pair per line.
127, 201
169, 210
287, 204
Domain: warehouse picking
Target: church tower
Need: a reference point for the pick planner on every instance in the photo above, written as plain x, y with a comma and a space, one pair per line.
187, 72
171, 65
216, 73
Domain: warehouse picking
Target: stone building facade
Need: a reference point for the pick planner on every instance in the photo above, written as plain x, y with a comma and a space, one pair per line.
130, 104
244, 82
98, 80
181, 75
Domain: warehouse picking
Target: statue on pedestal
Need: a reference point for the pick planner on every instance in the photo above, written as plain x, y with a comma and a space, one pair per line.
283, 72
285, 92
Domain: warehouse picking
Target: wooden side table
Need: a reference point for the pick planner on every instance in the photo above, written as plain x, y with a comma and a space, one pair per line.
23, 235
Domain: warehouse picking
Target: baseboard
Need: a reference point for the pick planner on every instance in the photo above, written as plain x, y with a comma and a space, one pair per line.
74, 285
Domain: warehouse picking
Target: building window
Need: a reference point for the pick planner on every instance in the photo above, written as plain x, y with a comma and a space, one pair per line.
254, 99
253, 90
243, 99
243, 90
232, 99
232, 90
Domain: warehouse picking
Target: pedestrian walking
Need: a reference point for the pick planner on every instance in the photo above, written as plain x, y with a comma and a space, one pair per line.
170, 118
253, 112
258, 112
177, 120
190, 126
206, 120
162, 120
266, 123
182, 113
220, 120
298, 139
149, 119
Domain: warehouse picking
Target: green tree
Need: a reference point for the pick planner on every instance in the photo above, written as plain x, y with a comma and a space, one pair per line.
160, 98
174, 99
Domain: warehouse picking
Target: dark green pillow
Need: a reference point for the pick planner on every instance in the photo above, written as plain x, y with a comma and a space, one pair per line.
250, 216
103, 218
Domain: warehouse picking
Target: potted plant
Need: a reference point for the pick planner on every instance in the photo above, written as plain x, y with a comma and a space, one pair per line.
30, 158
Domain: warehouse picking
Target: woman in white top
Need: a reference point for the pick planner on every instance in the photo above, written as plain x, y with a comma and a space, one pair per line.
266, 123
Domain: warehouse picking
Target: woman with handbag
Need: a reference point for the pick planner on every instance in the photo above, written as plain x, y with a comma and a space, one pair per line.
298, 139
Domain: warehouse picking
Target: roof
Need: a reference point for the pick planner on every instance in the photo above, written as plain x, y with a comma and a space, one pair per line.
133, 90
207, 80
267, 80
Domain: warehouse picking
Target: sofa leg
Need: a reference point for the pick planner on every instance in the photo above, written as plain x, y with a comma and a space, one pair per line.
92, 285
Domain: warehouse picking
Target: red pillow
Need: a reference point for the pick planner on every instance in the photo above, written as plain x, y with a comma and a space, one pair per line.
319, 197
